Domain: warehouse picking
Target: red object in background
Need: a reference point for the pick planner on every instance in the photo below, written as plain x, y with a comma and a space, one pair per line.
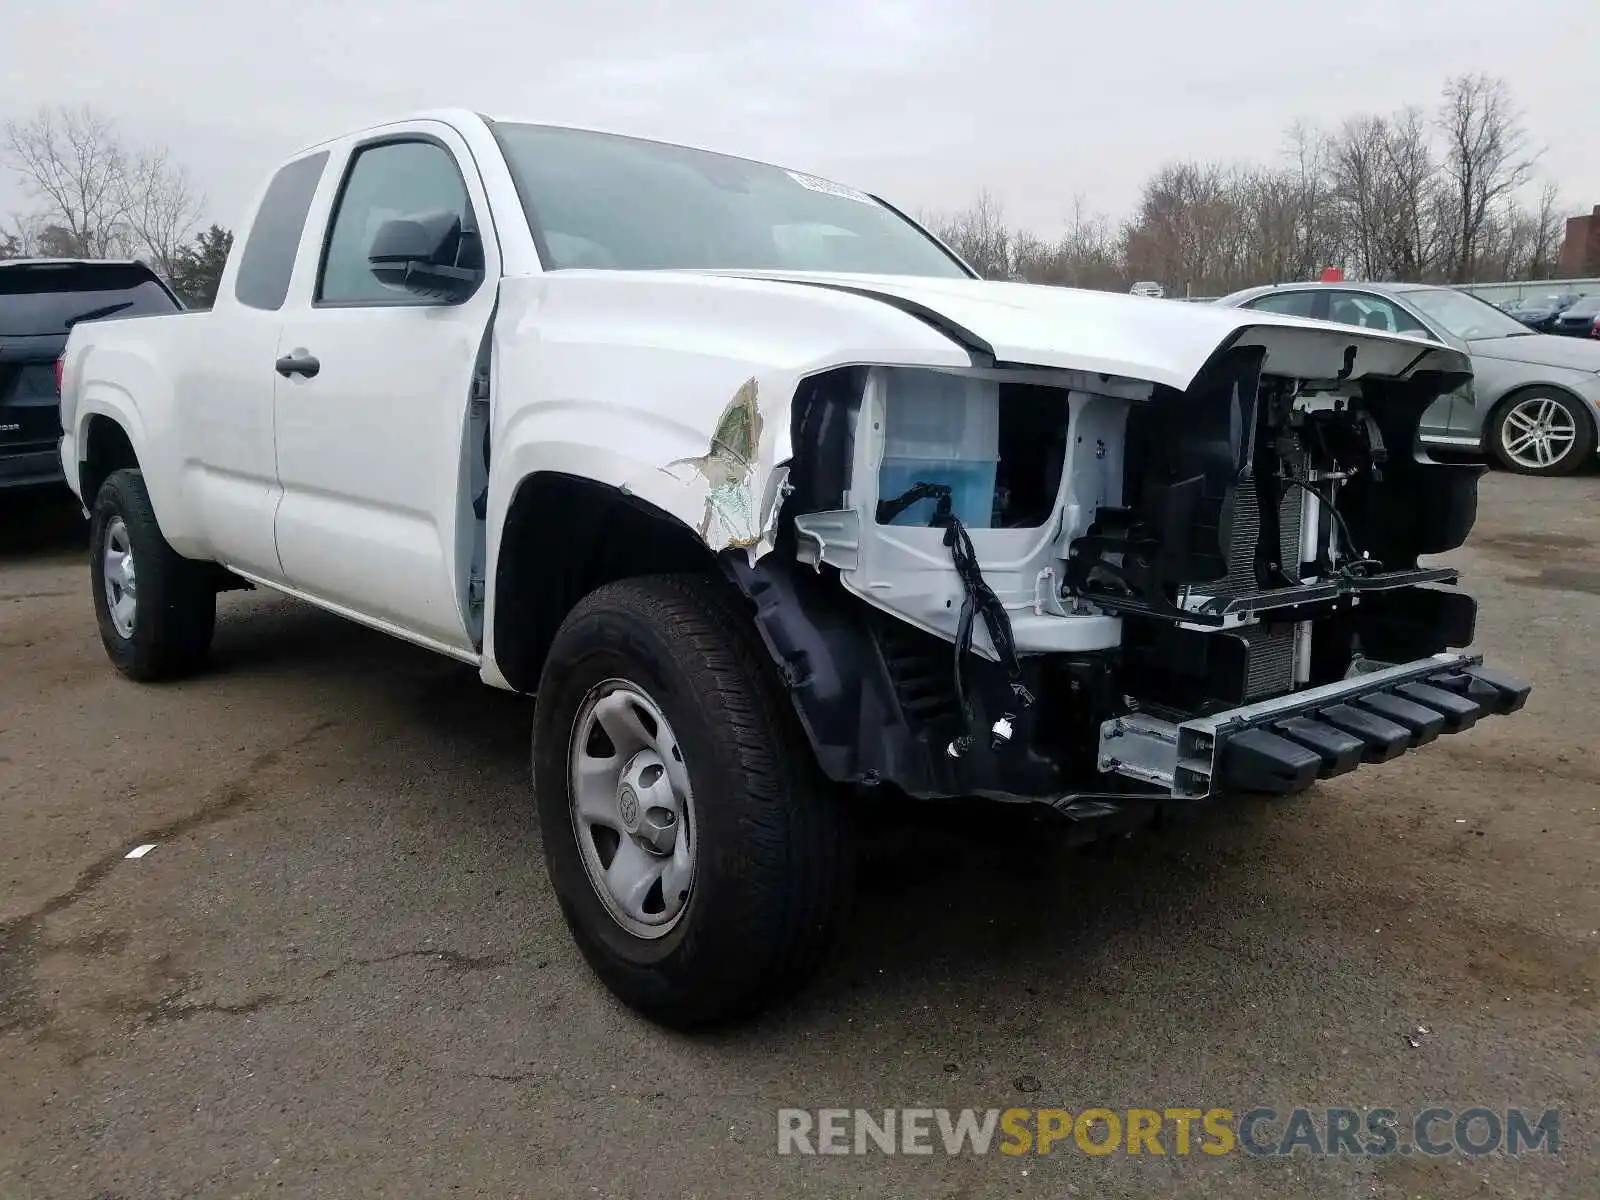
61, 365
1332, 274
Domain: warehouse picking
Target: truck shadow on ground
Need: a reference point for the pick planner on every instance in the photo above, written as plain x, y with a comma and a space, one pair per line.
41, 522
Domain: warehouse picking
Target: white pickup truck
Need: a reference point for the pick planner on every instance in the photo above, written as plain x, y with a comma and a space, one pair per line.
775, 505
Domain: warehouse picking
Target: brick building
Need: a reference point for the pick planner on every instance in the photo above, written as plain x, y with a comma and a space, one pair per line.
1580, 250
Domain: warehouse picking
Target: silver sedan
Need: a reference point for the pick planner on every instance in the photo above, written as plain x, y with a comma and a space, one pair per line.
1534, 399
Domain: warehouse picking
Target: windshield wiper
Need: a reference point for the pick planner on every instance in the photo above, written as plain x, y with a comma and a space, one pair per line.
95, 313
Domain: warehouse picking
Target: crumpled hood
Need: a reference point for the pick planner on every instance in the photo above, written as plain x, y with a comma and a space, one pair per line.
675, 386
1542, 349
1157, 341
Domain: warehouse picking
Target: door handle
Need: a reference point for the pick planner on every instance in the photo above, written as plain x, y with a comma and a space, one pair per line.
302, 364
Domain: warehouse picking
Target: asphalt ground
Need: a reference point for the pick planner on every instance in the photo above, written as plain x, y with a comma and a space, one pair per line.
341, 971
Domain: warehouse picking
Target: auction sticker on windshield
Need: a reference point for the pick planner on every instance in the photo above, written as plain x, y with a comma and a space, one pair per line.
828, 188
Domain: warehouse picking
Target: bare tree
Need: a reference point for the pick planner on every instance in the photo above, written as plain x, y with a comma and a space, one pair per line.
1086, 255
72, 166
978, 233
34, 236
1400, 196
1487, 158
1089, 254
1549, 229
1272, 205
91, 195
16, 238
1386, 185
1358, 175
163, 207
1032, 258
1197, 226
1307, 152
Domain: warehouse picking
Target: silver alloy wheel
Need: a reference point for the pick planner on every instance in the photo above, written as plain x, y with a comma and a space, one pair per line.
1537, 433
632, 809
117, 570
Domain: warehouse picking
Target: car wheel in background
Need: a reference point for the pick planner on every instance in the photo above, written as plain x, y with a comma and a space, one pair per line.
1541, 431
156, 609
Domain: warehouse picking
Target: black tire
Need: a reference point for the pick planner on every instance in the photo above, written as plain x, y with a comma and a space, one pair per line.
176, 601
774, 852
1578, 454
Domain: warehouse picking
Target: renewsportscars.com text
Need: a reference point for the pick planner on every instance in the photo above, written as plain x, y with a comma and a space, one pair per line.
1259, 1132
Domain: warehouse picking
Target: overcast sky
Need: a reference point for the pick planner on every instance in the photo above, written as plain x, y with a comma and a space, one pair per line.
922, 100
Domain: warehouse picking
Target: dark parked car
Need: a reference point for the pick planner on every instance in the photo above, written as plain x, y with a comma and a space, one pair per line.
1581, 320
1540, 312
40, 300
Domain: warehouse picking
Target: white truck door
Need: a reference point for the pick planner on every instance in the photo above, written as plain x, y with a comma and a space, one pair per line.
373, 393
225, 399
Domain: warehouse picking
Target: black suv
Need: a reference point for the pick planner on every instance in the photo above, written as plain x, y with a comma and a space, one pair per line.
40, 301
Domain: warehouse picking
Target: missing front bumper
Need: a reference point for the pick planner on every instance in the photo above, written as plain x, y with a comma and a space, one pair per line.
1286, 744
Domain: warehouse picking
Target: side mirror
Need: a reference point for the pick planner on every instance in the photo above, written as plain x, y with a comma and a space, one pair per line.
429, 255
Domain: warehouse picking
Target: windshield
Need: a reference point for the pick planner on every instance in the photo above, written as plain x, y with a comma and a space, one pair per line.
43, 300
620, 203
1465, 316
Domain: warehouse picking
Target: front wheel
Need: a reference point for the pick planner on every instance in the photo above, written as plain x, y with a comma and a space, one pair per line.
701, 860
156, 609
1542, 432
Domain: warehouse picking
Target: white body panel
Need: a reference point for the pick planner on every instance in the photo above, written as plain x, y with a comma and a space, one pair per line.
353, 489
368, 451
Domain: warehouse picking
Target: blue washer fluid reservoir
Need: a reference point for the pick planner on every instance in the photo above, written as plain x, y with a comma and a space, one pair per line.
945, 429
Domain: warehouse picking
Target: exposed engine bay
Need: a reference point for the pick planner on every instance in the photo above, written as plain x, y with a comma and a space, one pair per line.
1047, 585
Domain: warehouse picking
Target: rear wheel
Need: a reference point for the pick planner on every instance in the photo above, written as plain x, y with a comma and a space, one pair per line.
1542, 432
701, 860
156, 609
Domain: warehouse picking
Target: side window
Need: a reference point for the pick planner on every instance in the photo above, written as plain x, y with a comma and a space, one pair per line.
1346, 309
267, 261
1404, 322
1288, 304
389, 180
1372, 312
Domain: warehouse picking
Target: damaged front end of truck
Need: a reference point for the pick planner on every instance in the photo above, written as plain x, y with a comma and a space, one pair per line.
1051, 583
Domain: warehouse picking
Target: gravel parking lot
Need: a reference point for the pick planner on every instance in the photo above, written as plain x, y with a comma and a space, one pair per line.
341, 970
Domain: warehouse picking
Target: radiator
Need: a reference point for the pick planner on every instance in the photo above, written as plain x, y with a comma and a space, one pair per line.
1241, 576
1271, 654
1270, 659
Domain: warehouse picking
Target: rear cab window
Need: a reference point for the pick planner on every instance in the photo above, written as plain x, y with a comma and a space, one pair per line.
267, 263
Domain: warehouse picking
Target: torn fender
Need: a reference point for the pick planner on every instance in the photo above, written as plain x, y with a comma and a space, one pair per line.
719, 481
738, 508
729, 494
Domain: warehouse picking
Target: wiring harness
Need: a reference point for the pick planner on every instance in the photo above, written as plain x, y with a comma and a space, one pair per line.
979, 601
